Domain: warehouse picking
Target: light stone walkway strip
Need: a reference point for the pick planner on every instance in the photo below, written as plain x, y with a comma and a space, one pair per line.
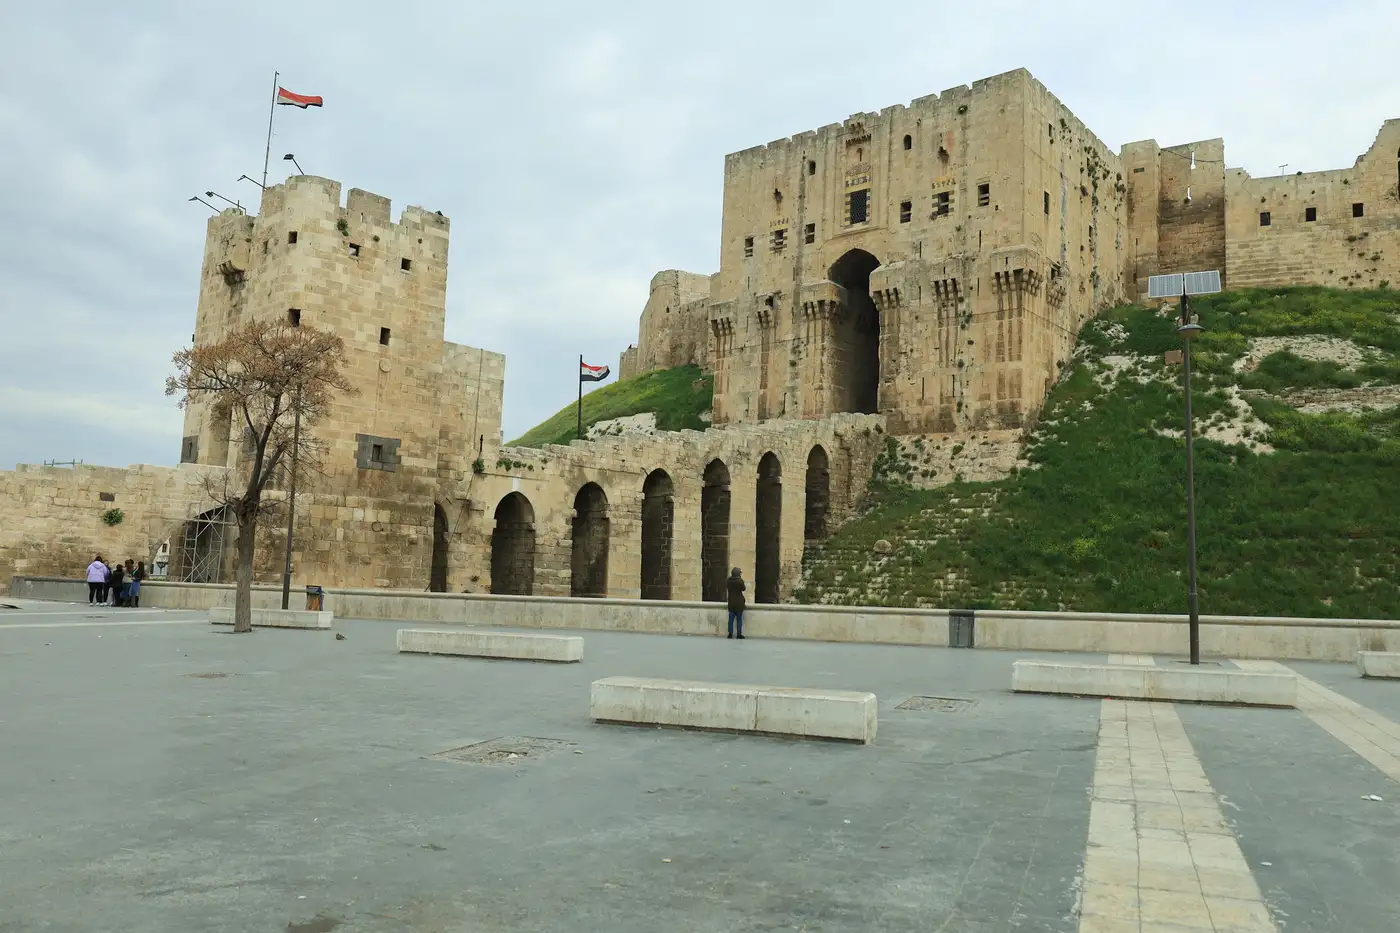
1161, 858
1363, 730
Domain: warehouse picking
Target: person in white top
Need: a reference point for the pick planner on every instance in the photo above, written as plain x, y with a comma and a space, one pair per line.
96, 580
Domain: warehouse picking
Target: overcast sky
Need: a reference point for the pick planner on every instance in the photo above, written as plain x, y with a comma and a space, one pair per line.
577, 147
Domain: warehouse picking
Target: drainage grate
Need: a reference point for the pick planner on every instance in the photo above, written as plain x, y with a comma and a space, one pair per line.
212, 675
505, 749
937, 704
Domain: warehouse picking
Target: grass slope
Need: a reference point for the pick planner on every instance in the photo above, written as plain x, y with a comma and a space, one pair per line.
678, 396
1312, 529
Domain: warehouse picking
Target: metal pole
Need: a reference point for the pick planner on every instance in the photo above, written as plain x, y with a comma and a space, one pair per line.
1192, 604
291, 506
267, 153
580, 397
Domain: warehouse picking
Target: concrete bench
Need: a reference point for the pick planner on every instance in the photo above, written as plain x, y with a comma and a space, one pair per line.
829, 714
474, 644
1177, 682
1379, 664
276, 618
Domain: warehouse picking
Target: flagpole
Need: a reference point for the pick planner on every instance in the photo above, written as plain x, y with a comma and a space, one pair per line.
271, 109
580, 397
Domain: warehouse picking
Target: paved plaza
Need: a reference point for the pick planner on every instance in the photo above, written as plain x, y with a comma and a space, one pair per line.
158, 774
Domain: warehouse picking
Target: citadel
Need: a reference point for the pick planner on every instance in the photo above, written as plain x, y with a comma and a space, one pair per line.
920, 270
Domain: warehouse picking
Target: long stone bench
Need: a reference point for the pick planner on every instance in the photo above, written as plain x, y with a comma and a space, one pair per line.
276, 618
830, 714
474, 644
1177, 682
1385, 664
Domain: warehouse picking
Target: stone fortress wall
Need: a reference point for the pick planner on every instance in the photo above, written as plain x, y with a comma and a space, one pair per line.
934, 262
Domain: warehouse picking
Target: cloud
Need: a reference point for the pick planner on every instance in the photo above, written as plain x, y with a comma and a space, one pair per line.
578, 149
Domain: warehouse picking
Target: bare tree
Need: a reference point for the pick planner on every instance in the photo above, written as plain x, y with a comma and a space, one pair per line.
266, 376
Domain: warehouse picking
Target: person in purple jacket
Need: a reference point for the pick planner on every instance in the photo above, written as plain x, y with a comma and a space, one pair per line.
96, 580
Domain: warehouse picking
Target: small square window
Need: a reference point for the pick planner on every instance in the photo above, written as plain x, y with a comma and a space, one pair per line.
748, 246
906, 211
106, 497
291, 238
809, 233
294, 317
780, 238
1310, 214
376, 453
984, 195
1047, 204
384, 336
405, 264
1358, 209
354, 249
1265, 219
942, 204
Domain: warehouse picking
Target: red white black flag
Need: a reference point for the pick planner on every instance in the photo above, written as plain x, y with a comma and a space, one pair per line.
303, 101
588, 373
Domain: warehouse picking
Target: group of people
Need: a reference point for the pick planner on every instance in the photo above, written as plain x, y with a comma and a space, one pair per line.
115, 584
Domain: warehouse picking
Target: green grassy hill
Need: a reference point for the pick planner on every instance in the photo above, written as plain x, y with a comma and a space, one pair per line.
1298, 506
679, 397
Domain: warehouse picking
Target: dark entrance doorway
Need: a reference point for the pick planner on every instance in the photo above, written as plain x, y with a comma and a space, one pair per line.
437, 575
588, 574
855, 383
714, 533
768, 514
818, 494
513, 547
658, 514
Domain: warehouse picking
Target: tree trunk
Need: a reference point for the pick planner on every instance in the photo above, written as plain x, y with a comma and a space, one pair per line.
243, 577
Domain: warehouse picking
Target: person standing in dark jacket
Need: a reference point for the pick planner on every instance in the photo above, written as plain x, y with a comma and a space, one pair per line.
736, 604
115, 583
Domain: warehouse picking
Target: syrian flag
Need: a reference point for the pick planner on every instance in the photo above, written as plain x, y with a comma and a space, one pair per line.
287, 98
588, 373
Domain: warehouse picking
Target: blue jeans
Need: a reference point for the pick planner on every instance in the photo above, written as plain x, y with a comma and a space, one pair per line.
736, 621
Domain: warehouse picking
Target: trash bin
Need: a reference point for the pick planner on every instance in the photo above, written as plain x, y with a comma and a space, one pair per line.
313, 598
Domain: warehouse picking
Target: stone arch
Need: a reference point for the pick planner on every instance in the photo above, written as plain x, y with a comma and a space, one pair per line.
442, 535
714, 532
768, 519
658, 516
588, 570
513, 547
818, 488
855, 342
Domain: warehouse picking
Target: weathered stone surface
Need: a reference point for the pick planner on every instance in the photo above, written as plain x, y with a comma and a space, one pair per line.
1178, 682
836, 714
882, 547
492, 645
276, 618
1384, 664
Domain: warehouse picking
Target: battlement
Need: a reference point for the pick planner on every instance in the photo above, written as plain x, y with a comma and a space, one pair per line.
314, 195
1018, 77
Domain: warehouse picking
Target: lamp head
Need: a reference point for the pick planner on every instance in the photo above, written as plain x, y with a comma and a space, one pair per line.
288, 157
1190, 331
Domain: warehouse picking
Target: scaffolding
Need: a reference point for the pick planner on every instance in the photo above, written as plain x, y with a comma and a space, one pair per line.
202, 550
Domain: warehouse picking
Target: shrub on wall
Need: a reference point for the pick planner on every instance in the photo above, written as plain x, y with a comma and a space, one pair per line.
113, 517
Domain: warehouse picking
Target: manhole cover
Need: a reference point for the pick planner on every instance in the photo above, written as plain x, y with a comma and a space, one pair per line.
937, 704
505, 749
211, 675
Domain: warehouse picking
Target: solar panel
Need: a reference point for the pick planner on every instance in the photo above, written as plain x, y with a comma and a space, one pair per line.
1203, 283
1164, 286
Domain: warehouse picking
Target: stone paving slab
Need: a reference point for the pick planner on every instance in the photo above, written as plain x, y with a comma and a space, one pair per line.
170, 777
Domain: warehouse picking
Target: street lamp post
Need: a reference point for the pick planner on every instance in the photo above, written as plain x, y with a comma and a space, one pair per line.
215, 194
291, 506
291, 157
1182, 286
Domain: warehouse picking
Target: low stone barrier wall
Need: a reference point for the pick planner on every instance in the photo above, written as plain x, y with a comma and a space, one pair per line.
828, 714
1098, 633
276, 618
563, 648
1378, 664
1179, 682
